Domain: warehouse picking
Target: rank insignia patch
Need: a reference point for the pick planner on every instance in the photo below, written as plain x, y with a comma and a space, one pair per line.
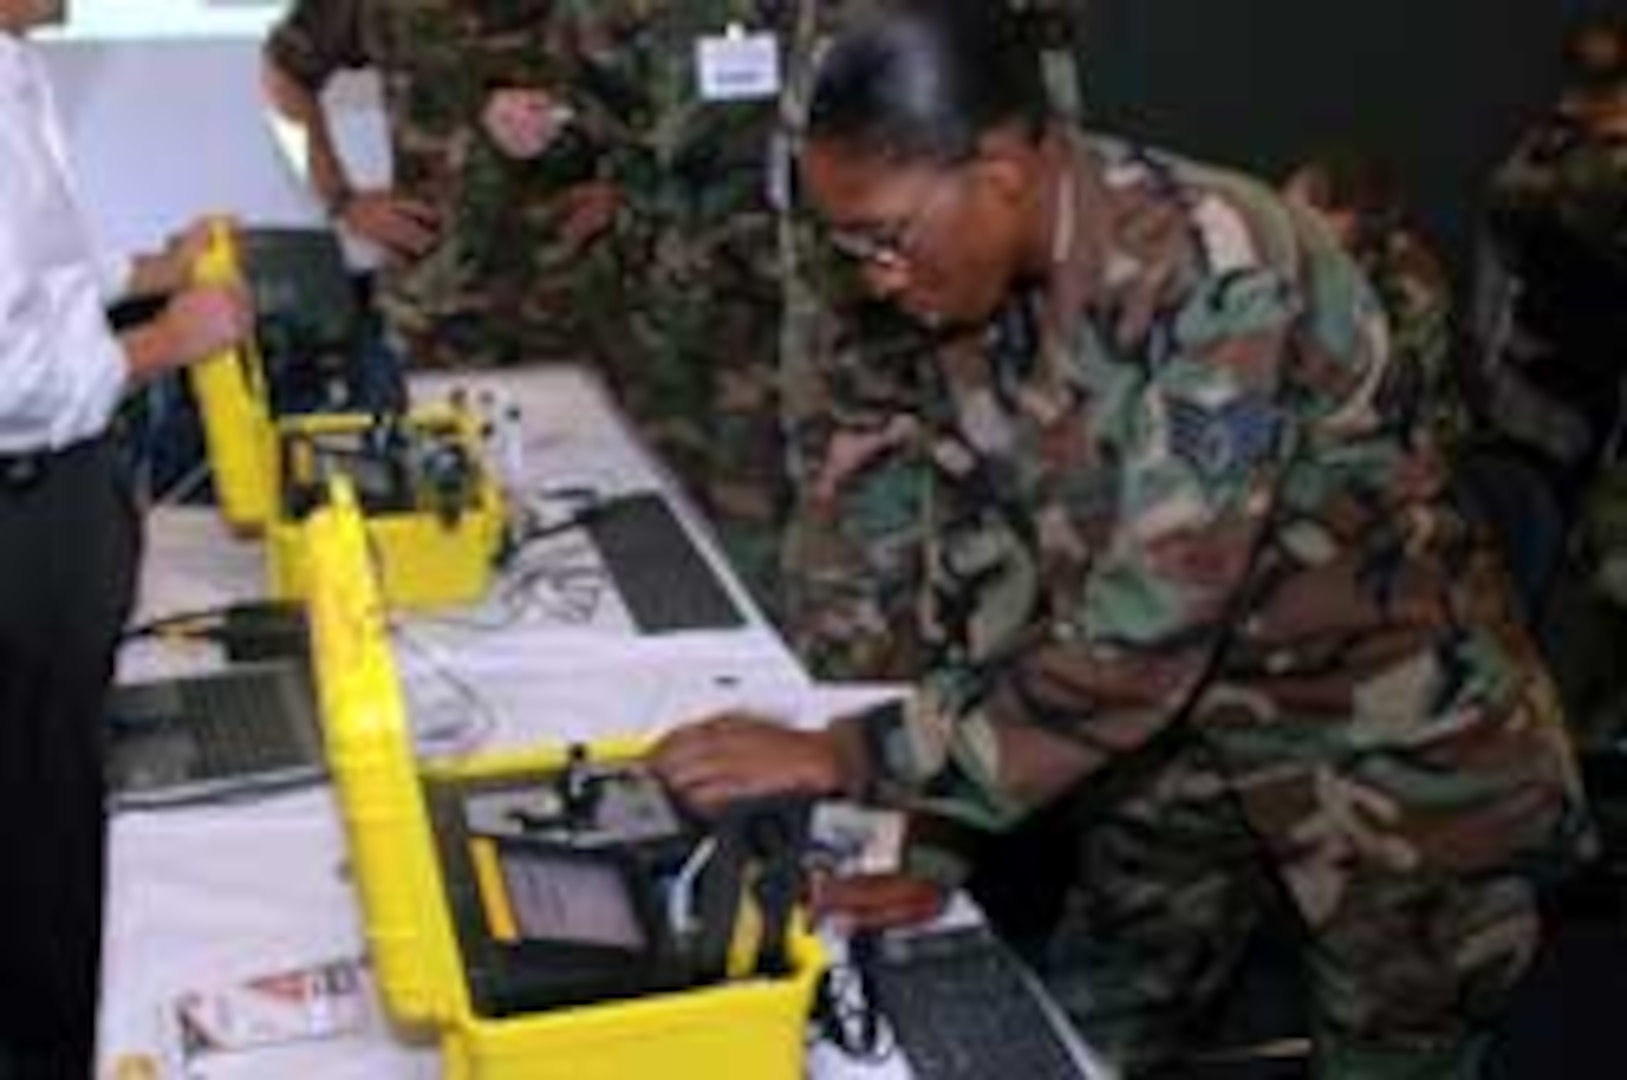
1221, 441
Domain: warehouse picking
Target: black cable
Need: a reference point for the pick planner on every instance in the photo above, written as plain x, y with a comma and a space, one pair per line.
846, 1012
247, 630
202, 624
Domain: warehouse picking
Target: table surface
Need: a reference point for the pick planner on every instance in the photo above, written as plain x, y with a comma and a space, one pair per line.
204, 897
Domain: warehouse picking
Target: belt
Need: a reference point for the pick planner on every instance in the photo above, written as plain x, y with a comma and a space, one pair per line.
25, 468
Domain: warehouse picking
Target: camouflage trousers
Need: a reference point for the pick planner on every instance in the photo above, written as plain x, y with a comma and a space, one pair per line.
699, 377
1402, 980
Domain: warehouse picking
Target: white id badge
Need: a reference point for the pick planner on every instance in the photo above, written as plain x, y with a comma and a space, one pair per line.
737, 66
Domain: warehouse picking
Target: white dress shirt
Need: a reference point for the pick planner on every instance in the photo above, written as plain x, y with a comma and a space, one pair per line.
61, 369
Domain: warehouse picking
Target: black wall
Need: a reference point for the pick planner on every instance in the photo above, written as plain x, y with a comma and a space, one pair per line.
1439, 87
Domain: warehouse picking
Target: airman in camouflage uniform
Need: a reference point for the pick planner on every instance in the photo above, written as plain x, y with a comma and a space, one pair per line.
504, 279
701, 178
1182, 549
1230, 552
1552, 323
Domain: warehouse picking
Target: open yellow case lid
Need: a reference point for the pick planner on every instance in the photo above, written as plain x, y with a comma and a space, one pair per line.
370, 753
230, 387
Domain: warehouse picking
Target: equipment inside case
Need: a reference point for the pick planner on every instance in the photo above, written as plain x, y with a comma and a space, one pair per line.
498, 889
587, 884
398, 464
432, 505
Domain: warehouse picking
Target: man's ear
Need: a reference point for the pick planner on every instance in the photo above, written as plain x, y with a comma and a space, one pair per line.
1007, 162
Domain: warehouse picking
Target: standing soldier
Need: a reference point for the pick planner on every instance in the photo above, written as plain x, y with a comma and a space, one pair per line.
684, 99
483, 238
1555, 331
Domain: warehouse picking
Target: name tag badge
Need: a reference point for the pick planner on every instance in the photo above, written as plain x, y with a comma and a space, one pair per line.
738, 66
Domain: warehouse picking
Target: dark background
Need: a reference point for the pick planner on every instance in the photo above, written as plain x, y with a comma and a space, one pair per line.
1440, 88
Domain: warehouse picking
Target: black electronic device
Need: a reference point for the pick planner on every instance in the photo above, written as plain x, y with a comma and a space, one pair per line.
248, 728
396, 466
587, 883
305, 297
962, 1006
318, 336
659, 572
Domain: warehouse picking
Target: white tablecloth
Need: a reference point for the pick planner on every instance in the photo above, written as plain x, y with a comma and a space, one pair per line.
203, 898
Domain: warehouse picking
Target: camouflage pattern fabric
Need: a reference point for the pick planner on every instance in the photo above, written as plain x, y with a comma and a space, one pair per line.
1557, 332
1181, 526
1176, 886
1562, 168
855, 545
1414, 292
503, 285
699, 240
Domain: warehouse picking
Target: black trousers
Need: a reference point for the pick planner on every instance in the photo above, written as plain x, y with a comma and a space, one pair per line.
69, 543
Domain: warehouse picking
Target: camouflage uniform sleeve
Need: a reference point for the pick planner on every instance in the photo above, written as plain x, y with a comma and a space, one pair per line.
1129, 643
1419, 305
317, 38
604, 86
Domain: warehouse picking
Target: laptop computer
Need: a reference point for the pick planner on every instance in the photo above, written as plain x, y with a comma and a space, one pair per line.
246, 729
961, 1005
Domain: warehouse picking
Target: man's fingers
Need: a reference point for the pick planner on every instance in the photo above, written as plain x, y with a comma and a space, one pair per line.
417, 211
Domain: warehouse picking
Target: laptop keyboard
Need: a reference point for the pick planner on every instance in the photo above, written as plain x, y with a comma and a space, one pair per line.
663, 579
241, 732
179, 740
962, 1007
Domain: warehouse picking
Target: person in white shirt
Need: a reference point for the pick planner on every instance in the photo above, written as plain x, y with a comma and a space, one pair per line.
68, 546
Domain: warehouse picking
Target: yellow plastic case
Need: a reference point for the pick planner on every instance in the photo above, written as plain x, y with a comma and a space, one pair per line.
747, 1028
425, 560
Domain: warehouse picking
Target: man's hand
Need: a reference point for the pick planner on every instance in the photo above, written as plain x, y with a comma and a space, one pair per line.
405, 229
875, 901
522, 122
735, 756
186, 248
166, 272
196, 323
590, 209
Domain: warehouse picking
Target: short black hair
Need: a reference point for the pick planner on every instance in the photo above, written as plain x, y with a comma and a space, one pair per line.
926, 79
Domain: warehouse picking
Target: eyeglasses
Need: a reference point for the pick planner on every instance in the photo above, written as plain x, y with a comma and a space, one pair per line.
891, 246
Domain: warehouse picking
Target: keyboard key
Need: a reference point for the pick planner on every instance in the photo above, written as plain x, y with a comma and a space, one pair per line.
664, 580
963, 1007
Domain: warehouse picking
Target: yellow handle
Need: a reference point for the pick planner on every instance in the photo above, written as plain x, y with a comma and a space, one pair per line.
231, 392
218, 264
